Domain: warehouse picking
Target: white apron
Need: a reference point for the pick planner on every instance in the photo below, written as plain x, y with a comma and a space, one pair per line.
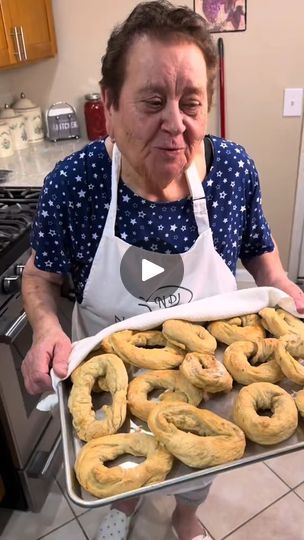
105, 299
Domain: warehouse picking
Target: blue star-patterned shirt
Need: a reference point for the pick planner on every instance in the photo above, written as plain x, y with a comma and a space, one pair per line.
75, 199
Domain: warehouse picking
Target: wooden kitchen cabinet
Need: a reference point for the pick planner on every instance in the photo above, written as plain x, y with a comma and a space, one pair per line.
27, 32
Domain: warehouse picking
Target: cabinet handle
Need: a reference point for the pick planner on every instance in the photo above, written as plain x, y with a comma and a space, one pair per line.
15, 34
23, 44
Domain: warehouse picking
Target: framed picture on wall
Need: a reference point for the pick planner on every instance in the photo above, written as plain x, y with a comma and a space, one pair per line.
223, 15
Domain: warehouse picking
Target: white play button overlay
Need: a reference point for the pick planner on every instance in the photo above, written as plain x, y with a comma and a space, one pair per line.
151, 276
150, 270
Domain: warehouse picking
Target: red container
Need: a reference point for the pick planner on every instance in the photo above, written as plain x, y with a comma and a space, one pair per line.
94, 117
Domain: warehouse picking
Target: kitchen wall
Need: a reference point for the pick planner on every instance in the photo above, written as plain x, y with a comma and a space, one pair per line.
259, 64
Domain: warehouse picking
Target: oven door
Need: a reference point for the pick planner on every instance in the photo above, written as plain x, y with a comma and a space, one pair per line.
32, 437
22, 422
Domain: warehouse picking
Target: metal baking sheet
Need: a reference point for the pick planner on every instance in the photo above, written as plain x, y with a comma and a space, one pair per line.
181, 478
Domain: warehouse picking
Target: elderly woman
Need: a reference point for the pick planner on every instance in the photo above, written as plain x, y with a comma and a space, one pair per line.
158, 182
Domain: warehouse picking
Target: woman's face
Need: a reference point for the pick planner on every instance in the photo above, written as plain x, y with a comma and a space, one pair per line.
162, 114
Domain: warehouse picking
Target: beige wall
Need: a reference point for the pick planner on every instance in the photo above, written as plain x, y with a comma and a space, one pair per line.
259, 64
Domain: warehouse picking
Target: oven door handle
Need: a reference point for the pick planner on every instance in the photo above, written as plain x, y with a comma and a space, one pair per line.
16, 327
42, 461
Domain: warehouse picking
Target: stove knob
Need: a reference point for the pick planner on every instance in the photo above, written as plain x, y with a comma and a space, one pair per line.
11, 284
19, 269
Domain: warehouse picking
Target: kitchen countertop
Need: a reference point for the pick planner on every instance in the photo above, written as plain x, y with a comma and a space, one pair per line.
30, 165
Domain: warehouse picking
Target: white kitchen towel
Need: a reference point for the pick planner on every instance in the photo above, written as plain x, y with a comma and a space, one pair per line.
221, 306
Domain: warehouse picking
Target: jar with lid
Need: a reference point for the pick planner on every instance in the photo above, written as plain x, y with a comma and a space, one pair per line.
94, 117
16, 124
33, 118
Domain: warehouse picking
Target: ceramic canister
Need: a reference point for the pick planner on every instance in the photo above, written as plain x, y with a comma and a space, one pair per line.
33, 118
6, 144
16, 123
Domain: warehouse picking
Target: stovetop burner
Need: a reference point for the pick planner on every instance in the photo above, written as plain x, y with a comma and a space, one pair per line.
17, 210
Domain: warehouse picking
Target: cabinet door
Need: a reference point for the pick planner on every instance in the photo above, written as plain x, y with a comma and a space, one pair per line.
35, 26
7, 42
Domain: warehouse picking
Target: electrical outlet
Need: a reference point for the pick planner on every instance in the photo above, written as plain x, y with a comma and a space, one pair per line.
293, 102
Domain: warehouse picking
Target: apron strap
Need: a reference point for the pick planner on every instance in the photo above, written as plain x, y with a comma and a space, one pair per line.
198, 198
109, 227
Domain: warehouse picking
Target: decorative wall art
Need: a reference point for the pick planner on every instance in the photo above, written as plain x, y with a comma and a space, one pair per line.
223, 15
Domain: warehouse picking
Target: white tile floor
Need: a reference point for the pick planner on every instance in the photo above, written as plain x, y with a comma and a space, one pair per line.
261, 501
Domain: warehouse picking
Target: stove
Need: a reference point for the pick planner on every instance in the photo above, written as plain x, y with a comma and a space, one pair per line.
31, 451
17, 210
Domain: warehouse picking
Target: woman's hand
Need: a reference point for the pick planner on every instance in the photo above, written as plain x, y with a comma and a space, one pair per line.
49, 349
267, 270
296, 293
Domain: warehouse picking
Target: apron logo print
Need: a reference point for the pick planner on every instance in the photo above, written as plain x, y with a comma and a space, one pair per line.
118, 319
165, 298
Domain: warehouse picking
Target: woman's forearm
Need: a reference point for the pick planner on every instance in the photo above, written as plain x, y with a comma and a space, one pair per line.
40, 293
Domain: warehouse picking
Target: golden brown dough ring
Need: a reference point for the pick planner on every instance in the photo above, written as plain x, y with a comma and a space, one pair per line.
299, 400
111, 374
103, 481
205, 371
132, 349
106, 347
106, 344
264, 429
279, 322
189, 336
291, 368
180, 389
294, 344
197, 437
236, 360
246, 327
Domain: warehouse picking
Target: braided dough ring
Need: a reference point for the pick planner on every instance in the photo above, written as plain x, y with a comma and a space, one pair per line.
189, 336
180, 389
279, 322
205, 371
264, 429
197, 437
111, 374
131, 349
291, 368
102, 481
246, 327
236, 358
299, 400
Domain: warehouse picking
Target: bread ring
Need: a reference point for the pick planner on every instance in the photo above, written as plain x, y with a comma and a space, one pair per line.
236, 360
299, 401
180, 389
246, 327
264, 429
106, 347
102, 481
279, 322
189, 336
291, 368
294, 344
111, 374
106, 344
205, 371
92, 354
197, 437
132, 349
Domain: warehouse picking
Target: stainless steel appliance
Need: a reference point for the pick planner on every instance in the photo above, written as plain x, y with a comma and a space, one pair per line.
30, 439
